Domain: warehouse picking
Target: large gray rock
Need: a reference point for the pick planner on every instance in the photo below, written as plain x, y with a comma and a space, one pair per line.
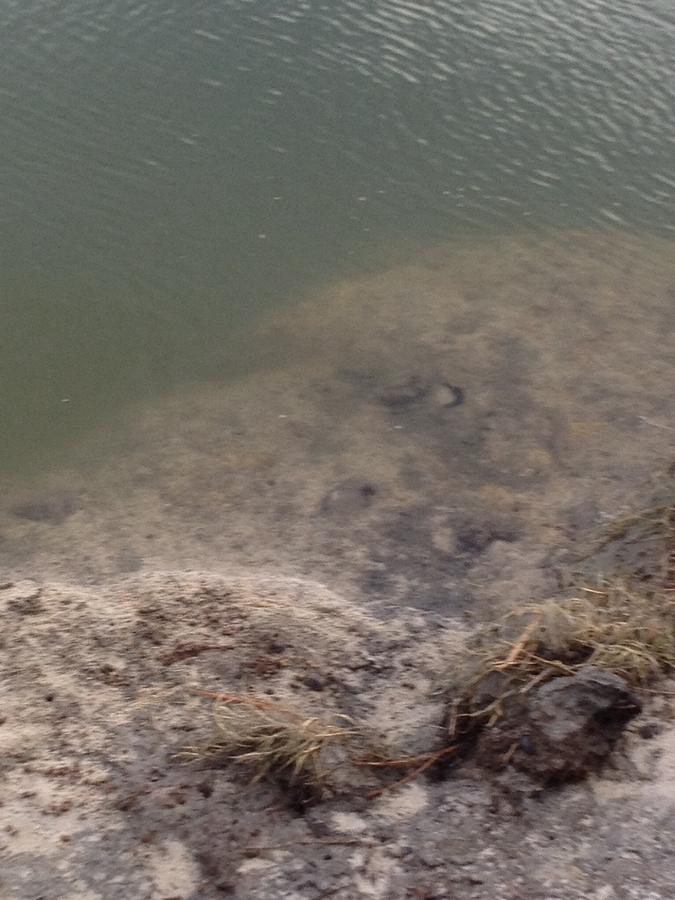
593, 698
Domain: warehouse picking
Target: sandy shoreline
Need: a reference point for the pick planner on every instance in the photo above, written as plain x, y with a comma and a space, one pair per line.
432, 446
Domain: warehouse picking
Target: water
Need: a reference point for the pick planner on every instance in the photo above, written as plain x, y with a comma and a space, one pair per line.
309, 309
169, 171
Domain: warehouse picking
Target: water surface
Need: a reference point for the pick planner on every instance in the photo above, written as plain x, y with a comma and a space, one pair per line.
172, 171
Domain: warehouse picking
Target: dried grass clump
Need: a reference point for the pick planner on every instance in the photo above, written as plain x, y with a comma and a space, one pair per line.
616, 626
624, 626
277, 743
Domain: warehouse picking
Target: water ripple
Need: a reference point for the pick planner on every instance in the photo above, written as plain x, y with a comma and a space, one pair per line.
148, 146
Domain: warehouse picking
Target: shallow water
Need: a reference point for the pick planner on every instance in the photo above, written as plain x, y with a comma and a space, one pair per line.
172, 172
452, 433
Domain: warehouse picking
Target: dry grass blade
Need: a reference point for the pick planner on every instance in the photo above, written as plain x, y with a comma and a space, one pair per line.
275, 742
428, 761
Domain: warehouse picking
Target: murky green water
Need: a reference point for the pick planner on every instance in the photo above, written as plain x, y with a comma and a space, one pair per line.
171, 170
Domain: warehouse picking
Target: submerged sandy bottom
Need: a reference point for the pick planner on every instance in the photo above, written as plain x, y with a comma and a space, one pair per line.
448, 435
346, 455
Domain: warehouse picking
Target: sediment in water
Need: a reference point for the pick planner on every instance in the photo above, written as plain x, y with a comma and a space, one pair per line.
444, 437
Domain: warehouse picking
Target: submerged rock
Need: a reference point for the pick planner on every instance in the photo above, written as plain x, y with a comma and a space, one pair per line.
415, 389
447, 395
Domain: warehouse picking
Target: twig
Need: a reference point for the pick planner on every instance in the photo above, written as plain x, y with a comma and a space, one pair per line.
519, 646
403, 762
552, 663
427, 764
508, 756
